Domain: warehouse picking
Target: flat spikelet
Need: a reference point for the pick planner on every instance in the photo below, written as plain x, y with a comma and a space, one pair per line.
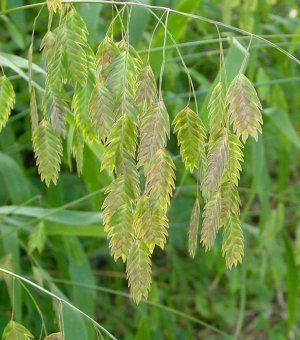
122, 139
54, 5
55, 107
121, 82
193, 229
154, 131
236, 157
76, 47
16, 331
77, 151
233, 241
107, 52
211, 221
146, 94
191, 137
54, 104
244, 108
160, 179
217, 161
230, 201
48, 45
118, 217
216, 111
7, 100
80, 108
150, 223
54, 53
138, 269
101, 110
48, 151
229, 193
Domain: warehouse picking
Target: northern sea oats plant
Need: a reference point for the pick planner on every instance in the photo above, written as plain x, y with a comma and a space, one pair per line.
111, 98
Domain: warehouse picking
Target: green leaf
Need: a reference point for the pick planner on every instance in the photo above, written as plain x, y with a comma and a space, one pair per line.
284, 124
292, 286
16, 183
80, 271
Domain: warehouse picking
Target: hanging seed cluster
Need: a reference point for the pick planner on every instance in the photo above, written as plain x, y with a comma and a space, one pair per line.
111, 98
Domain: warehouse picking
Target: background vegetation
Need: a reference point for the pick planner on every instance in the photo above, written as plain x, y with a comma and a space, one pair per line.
54, 236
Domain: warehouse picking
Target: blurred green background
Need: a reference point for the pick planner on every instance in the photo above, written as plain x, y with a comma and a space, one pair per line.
54, 236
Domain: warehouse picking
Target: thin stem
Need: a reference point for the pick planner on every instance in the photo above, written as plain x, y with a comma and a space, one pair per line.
164, 57
191, 85
163, 8
47, 292
37, 308
147, 302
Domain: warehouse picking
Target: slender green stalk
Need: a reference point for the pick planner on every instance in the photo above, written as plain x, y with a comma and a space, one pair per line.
147, 302
45, 291
189, 15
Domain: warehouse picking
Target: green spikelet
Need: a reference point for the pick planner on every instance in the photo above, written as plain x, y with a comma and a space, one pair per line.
191, 137
122, 74
16, 331
54, 104
7, 100
236, 157
217, 161
244, 108
48, 151
154, 131
211, 221
101, 110
118, 216
138, 270
76, 47
107, 52
230, 196
146, 94
230, 201
233, 241
121, 139
55, 107
150, 223
80, 108
54, 5
53, 49
216, 111
193, 229
77, 151
160, 179
48, 46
